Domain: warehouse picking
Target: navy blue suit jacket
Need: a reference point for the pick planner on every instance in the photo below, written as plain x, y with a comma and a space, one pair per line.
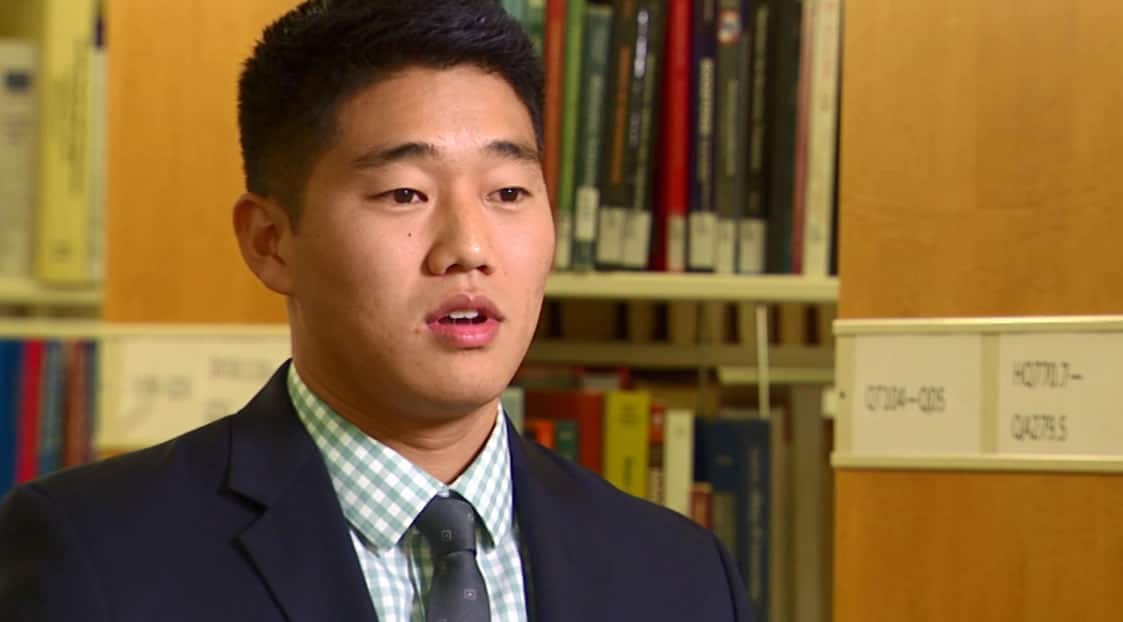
238, 520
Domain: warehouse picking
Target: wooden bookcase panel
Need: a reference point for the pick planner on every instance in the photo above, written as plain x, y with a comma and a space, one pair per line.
174, 168
1017, 547
980, 151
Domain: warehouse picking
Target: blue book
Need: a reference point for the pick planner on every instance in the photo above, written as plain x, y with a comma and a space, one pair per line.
701, 218
51, 407
92, 403
9, 410
734, 456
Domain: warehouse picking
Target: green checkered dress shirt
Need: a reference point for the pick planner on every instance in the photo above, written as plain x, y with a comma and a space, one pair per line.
381, 493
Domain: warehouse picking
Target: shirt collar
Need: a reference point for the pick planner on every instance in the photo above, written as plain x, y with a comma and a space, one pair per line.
381, 493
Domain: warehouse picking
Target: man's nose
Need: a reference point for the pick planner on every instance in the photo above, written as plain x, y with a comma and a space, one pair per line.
462, 240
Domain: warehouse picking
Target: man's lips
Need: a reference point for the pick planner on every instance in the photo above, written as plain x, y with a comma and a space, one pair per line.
465, 302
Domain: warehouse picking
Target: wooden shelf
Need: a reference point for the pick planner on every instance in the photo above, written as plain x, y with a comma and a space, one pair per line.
692, 286
786, 364
602, 285
26, 291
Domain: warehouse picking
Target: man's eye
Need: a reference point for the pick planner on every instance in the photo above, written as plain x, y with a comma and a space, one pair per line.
404, 195
510, 195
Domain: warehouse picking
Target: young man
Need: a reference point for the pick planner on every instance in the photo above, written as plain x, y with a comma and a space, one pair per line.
395, 198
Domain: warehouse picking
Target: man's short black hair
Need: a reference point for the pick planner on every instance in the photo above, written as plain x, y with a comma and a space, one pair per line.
322, 52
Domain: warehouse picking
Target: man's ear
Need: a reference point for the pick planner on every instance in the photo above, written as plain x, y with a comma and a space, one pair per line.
264, 234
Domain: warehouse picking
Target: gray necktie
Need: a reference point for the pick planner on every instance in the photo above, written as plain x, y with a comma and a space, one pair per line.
457, 593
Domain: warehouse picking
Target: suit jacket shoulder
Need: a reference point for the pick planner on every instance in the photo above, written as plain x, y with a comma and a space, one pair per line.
236, 520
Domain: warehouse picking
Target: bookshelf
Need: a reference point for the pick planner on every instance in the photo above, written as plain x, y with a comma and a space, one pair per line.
173, 270
29, 292
693, 287
977, 156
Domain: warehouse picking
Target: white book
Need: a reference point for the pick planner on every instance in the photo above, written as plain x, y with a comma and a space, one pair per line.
18, 138
821, 137
678, 459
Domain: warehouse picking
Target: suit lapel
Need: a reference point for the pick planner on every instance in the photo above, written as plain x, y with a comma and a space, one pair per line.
300, 544
550, 534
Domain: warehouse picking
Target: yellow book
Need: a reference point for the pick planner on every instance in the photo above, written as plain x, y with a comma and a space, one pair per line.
64, 31
626, 442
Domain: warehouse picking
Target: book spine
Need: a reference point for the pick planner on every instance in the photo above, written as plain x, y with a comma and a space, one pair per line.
93, 382
751, 233
50, 401
821, 140
75, 437
678, 460
97, 146
565, 438
534, 22
617, 159
565, 211
554, 61
802, 131
701, 242
656, 441
723, 466
626, 440
595, 67
636, 239
787, 136
669, 253
541, 431
731, 130
516, 9
586, 407
9, 395
700, 503
754, 510
18, 135
27, 430
62, 242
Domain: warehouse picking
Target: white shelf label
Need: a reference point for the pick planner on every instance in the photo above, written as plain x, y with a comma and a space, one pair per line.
750, 246
588, 198
1060, 393
563, 248
725, 261
676, 243
917, 394
702, 242
636, 239
610, 234
165, 386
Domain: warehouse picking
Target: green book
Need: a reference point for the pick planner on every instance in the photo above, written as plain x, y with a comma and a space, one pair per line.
635, 250
571, 106
751, 229
515, 8
565, 438
591, 122
617, 180
535, 24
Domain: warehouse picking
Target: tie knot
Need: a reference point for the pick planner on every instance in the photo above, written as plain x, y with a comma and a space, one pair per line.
449, 524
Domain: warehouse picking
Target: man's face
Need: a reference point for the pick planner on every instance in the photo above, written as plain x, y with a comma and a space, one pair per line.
424, 243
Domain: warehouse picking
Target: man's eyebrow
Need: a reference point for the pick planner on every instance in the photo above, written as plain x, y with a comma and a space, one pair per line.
513, 150
381, 156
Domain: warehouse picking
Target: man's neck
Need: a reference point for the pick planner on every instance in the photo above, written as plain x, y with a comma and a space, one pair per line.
441, 445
